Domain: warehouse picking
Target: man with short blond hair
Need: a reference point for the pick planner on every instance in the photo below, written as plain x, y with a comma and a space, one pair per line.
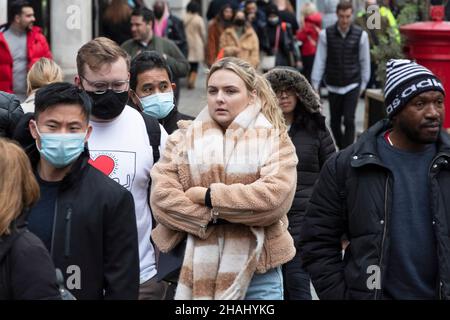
119, 145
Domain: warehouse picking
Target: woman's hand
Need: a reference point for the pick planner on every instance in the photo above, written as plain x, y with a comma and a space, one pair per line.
197, 194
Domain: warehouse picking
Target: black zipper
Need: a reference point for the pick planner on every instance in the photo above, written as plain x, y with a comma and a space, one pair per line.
384, 233
434, 167
67, 233
55, 216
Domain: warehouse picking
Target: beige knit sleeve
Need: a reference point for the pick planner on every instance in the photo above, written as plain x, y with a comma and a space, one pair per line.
254, 55
169, 204
264, 201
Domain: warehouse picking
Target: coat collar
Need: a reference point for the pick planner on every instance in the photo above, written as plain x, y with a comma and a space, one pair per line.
365, 150
339, 33
247, 33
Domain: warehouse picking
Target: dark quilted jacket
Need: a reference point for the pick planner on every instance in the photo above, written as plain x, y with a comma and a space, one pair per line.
10, 113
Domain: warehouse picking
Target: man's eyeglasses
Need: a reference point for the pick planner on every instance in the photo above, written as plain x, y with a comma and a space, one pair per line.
101, 87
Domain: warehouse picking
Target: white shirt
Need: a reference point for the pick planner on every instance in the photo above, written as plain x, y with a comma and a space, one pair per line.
28, 104
121, 149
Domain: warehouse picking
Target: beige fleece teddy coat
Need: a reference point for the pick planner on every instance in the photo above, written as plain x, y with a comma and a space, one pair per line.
255, 197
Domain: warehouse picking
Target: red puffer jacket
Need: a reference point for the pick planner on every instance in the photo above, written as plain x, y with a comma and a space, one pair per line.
37, 47
309, 34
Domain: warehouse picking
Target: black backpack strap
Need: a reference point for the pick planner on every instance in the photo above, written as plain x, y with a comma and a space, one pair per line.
154, 134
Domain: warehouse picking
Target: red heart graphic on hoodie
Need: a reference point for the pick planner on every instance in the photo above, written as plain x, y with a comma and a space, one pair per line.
103, 163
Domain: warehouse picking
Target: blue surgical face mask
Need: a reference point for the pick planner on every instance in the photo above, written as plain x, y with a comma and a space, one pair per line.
158, 105
61, 149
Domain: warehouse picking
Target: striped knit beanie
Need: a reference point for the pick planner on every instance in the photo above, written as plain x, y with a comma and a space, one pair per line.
406, 79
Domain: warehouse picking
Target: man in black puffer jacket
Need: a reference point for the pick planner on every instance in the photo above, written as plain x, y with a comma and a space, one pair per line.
85, 219
10, 113
313, 145
389, 194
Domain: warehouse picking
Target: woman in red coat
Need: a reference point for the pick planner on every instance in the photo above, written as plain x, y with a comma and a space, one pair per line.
309, 35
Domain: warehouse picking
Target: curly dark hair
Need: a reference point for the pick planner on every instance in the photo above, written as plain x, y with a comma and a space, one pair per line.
147, 60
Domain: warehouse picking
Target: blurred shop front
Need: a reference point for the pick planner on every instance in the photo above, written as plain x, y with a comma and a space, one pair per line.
68, 24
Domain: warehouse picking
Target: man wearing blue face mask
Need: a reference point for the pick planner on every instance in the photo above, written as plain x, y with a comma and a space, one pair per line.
86, 220
152, 88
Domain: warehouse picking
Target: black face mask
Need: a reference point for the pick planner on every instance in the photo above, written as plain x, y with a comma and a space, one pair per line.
158, 13
227, 23
239, 22
108, 105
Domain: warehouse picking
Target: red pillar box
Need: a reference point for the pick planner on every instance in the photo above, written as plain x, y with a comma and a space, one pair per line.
428, 43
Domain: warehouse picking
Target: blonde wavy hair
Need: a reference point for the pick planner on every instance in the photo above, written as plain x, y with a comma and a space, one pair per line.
43, 72
254, 82
307, 9
18, 186
284, 5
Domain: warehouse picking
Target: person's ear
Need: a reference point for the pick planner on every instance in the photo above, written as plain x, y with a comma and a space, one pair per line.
134, 97
174, 86
253, 96
17, 18
88, 133
32, 125
77, 81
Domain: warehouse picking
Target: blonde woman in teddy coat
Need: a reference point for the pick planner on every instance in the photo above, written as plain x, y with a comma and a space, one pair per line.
227, 180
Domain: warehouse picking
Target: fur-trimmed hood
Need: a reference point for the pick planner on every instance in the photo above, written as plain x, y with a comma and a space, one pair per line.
282, 78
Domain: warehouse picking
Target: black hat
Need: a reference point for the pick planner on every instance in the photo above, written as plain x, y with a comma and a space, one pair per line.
406, 79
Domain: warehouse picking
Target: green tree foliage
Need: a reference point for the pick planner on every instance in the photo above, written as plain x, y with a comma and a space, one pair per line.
388, 47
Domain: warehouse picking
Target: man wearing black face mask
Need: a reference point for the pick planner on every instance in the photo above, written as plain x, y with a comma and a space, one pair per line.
279, 40
119, 145
240, 40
